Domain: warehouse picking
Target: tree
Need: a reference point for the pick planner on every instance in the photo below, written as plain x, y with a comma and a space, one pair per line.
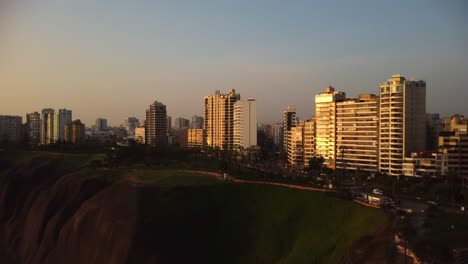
316, 163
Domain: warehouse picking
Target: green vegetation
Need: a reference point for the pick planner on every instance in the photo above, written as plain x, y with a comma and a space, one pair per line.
244, 223
203, 219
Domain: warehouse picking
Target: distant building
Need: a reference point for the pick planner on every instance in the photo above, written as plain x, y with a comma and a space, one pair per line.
289, 121
181, 123
169, 123
194, 137
181, 138
131, 123
456, 123
277, 134
74, 132
33, 128
308, 140
219, 119
10, 128
433, 129
245, 124
140, 134
61, 118
197, 122
156, 125
402, 122
101, 124
47, 126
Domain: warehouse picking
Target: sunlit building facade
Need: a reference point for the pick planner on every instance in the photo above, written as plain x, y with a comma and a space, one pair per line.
325, 123
357, 133
219, 119
289, 121
47, 126
245, 123
402, 122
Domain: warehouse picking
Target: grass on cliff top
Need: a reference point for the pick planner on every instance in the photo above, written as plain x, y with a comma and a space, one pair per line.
247, 223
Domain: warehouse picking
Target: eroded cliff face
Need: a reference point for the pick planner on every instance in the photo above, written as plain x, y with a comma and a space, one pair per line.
51, 215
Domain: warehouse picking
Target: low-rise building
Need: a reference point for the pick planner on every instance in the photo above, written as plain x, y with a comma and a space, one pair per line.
425, 164
194, 137
455, 146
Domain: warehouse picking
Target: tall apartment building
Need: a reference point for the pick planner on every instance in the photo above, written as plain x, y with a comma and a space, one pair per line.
245, 123
156, 125
169, 123
47, 126
289, 121
295, 145
309, 140
130, 124
357, 133
402, 122
325, 123
33, 128
10, 128
219, 119
74, 132
101, 124
197, 122
181, 123
456, 123
62, 117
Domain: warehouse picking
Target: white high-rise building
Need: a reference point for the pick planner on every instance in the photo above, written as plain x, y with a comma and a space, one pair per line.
402, 122
62, 117
33, 127
245, 123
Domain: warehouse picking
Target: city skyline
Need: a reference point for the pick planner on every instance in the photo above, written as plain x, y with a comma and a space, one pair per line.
113, 60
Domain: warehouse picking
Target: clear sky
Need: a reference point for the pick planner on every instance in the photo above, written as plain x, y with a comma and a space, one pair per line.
112, 58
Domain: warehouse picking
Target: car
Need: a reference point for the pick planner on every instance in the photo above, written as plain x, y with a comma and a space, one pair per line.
419, 198
377, 191
319, 179
432, 203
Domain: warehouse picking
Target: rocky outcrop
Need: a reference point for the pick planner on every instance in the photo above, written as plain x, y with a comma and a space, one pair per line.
52, 215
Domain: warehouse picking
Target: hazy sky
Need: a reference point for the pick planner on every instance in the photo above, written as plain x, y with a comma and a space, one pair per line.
112, 58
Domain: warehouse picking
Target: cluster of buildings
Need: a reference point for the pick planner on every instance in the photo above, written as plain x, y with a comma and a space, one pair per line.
228, 123
43, 128
389, 133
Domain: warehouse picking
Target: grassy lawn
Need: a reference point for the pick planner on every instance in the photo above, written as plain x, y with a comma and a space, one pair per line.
245, 223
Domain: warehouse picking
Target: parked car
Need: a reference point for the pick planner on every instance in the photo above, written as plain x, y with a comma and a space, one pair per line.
377, 191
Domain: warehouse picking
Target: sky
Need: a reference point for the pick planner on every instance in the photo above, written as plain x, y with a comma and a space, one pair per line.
113, 58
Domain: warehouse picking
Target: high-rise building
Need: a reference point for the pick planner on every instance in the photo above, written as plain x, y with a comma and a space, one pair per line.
195, 137
277, 131
219, 119
433, 129
156, 125
357, 133
197, 122
295, 145
309, 140
33, 128
181, 123
101, 124
10, 128
61, 118
245, 123
289, 121
131, 123
456, 123
402, 122
47, 126
74, 132
325, 123
169, 123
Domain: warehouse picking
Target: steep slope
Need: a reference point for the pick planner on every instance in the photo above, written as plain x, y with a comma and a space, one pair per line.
56, 211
